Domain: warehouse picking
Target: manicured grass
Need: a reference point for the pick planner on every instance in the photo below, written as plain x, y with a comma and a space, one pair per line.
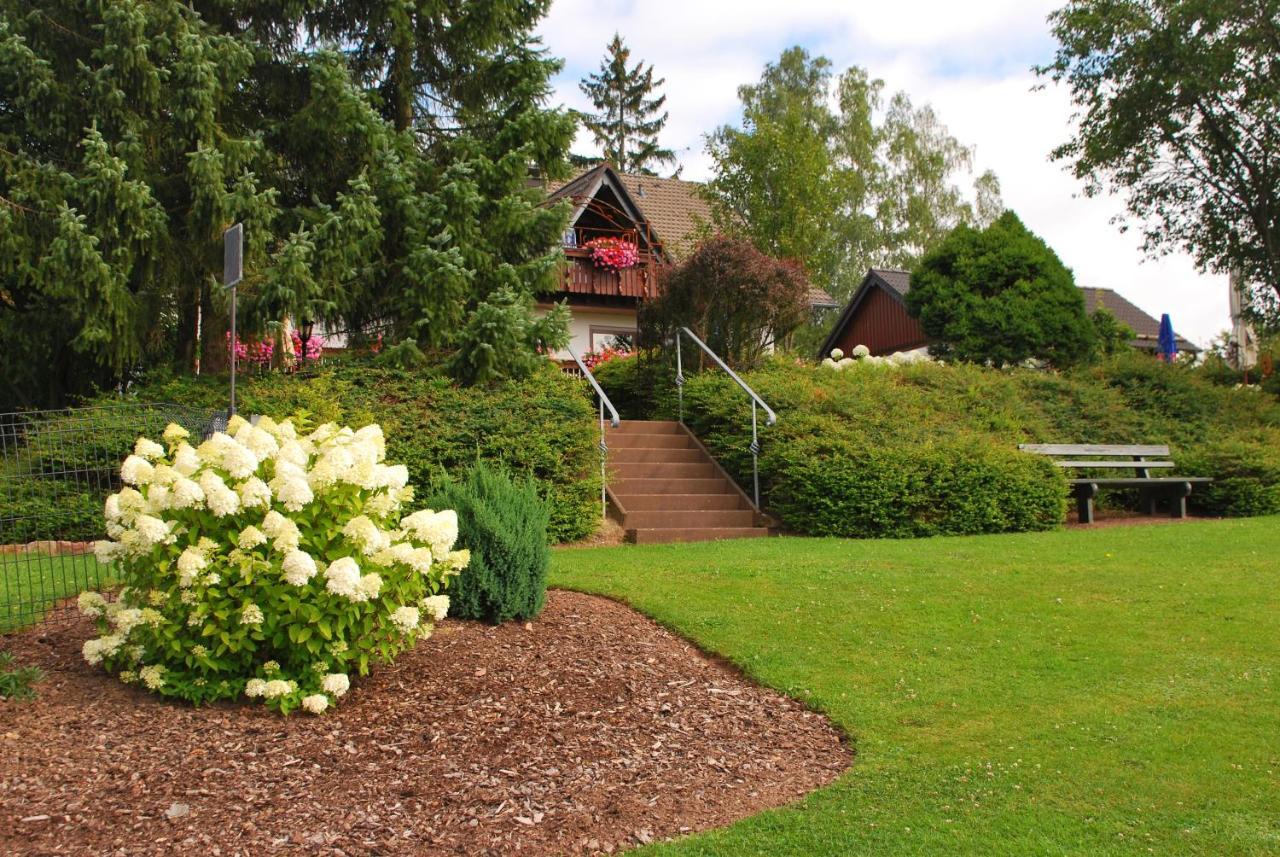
31, 582
1113, 691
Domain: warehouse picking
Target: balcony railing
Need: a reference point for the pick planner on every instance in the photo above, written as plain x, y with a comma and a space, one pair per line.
581, 276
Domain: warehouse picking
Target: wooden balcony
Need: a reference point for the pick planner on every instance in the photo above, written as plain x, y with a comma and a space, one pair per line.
581, 277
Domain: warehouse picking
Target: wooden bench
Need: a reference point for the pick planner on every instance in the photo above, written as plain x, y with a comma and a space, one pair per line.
1140, 458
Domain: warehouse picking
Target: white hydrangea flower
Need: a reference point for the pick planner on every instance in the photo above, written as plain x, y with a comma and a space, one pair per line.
106, 552
131, 504
277, 688
250, 537
298, 567
393, 478
125, 620
458, 560
837, 353
291, 452
222, 501
316, 703
366, 535
861, 351
151, 616
295, 494
254, 493
382, 504
111, 508
151, 530
342, 577
369, 587
830, 364
436, 606
152, 676
157, 498
336, 683
185, 460
420, 560
185, 494
163, 474
136, 470
91, 604
438, 529
283, 532
148, 449
254, 688
94, 650
174, 433
239, 461
251, 615
258, 441
406, 618
236, 423
190, 564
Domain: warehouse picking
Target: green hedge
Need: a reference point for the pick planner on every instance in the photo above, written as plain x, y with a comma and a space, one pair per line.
1246, 473
504, 525
838, 487
873, 436
542, 427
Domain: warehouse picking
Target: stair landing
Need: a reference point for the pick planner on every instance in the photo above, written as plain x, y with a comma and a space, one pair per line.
670, 490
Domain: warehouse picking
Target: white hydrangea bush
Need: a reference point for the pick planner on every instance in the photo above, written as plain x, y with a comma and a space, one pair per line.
266, 563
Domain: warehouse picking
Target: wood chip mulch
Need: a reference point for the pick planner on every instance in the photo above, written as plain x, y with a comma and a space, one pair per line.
590, 730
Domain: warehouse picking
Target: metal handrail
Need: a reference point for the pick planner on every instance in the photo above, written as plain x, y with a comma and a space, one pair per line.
755, 400
613, 421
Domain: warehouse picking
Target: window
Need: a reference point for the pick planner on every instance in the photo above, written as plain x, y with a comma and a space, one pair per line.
619, 338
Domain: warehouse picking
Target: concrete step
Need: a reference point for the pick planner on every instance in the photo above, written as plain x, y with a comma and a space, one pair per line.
656, 470
679, 502
637, 440
646, 427
693, 534
624, 487
689, 519
660, 455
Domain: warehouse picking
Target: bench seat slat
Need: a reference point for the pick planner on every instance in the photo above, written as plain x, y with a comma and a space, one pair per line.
1129, 464
1095, 449
1107, 481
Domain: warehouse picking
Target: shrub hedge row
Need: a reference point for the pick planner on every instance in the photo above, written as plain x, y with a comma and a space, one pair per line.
540, 428
932, 448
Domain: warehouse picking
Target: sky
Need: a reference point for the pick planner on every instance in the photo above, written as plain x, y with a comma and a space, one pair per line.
971, 61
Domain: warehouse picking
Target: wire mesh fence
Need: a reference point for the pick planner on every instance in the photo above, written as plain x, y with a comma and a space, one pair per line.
56, 469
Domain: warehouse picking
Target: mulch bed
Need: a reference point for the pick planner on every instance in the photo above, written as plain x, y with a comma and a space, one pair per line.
590, 730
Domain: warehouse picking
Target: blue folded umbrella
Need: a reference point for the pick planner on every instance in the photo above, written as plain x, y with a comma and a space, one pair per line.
1168, 342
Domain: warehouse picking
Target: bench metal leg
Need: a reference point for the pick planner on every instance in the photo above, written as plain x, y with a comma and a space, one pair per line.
1178, 501
1084, 502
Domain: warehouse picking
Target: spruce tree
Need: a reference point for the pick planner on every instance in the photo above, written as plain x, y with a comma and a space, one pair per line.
628, 121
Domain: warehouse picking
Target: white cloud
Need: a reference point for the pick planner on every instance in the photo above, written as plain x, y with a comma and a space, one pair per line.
970, 61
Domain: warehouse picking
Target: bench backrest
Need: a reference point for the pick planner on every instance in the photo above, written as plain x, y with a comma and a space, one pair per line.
1141, 455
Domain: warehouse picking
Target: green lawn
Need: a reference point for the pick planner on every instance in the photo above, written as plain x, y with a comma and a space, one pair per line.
31, 582
1112, 691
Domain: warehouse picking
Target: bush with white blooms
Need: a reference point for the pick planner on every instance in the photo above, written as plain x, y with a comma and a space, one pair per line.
266, 563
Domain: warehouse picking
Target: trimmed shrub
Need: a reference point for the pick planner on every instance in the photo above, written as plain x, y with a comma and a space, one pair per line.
504, 525
836, 487
1246, 473
266, 564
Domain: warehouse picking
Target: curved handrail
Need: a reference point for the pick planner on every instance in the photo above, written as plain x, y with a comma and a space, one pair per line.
604, 400
755, 401
773, 418
613, 421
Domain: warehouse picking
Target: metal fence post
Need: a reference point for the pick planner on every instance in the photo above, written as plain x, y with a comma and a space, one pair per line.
679, 378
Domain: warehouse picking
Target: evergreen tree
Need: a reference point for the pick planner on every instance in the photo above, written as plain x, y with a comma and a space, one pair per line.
132, 134
628, 122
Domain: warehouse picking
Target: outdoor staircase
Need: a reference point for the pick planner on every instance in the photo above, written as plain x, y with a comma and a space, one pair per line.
667, 488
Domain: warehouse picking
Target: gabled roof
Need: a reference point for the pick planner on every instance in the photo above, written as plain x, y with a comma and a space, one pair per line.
673, 208
895, 282
582, 189
1144, 326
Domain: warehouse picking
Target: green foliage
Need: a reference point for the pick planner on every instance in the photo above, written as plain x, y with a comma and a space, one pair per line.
737, 299
502, 340
134, 133
266, 563
895, 439
1246, 474
16, 682
1000, 296
1113, 336
1177, 104
835, 188
840, 487
628, 124
641, 385
541, 427
504, 525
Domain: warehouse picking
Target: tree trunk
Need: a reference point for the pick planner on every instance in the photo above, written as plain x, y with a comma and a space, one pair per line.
188, 328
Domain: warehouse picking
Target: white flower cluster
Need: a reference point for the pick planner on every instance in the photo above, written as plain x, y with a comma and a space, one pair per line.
214, 534
862, 356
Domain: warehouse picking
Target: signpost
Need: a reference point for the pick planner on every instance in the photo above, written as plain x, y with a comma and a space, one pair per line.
232, 271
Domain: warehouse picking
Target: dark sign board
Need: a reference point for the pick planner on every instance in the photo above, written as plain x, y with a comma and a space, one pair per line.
233, 255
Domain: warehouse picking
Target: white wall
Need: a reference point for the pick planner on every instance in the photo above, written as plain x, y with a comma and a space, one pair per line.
584, 318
